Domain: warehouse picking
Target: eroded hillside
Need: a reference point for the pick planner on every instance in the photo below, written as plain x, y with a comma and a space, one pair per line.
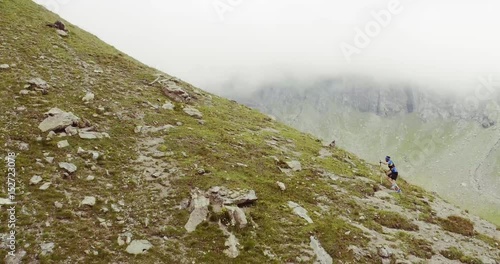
119, 163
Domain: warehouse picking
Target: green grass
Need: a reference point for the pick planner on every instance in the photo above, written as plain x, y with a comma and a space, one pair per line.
457, 224
395, 220
418, 247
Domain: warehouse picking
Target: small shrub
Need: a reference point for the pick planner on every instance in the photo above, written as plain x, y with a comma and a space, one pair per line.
418, 247
470, 260
457, 224
452, 253
395, 220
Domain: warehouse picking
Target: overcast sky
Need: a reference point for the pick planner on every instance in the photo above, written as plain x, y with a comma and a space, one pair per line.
247, 42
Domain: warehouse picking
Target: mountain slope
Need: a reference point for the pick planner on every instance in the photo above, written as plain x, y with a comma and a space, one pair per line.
437, 141
186, 176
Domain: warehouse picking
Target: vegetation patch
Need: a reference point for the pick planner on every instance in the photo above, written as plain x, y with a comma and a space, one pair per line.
395, 220
418, 247
457, 224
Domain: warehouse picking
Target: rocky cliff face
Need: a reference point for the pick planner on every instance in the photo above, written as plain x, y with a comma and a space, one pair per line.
381, 99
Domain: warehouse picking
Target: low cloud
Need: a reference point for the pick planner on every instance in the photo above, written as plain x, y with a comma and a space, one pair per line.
244, 44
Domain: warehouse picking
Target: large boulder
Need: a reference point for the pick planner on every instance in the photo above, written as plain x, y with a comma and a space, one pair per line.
138, 247
57, 119
322, 257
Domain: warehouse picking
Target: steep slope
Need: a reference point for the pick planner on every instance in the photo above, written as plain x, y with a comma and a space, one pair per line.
438, 142
158, 171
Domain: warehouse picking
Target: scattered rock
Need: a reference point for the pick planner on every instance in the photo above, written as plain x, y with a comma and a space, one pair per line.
69, 167
191, 111
175, 93
45, 186
63, 144
24, 92
17, 258
38, 83
4, 66
294, 165
89, 200
49, 159
47, 248
139, 247
4, 201
300, 211
92, 135
71, 130
90, 178
322, 257
23, 146
237, 216
199, 210
58, 205
281, 185
57, 120
120, 241
58, 25
168, 106
231, 243
150, 129
89, 96
384, 252
62, 33
35, 180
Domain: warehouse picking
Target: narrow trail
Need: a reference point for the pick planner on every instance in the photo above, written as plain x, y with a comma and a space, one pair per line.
476, 175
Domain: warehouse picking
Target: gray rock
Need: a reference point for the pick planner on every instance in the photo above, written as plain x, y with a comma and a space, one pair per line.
191, 111
39, 83
281, 185
69, 167
300, 211
150, 129
89, 200
62, 144
294, 165
4, 66
322, 257
384, 252
383, 195
231, 243
488, 260
47, 248
90, 178
49, 159
175, 92
57, 119
92, 135
45, 186
71, 130
199, 210
89, 96
4, 201
23, 146
35, 180
58, 205
17, 258
120, 241
168, 106
139, 247
241, 198
238, 216
61, 33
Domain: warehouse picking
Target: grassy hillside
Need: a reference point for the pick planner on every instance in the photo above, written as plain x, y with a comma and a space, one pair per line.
458, 160
142, 181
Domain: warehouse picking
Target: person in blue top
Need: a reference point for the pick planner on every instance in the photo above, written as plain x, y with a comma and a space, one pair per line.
392, 173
